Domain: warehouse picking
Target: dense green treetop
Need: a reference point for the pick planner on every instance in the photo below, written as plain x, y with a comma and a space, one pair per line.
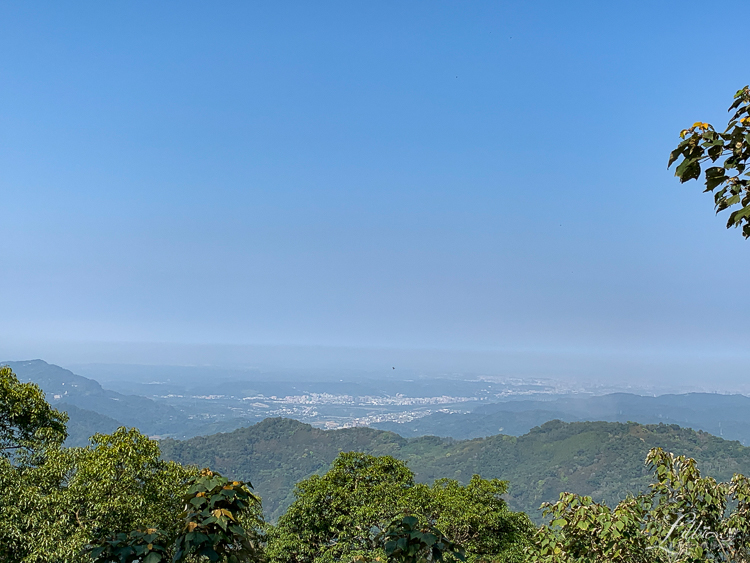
118, 483
344, 514
476, 517
338, 514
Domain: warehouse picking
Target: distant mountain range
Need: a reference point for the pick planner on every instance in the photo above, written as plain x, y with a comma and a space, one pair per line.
92, 409
727, 416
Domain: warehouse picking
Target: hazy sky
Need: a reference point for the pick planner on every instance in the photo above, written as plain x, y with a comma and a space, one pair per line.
439, 175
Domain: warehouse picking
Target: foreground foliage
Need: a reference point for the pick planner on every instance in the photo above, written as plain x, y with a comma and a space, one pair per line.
215, 511
346, 512
54, 500
52, 509
408, 542
683, 518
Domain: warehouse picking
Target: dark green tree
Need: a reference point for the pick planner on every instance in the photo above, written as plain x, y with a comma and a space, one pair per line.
27, 422
343, 514
476, 517
726, 153
55, 500
338, 515
52, 510
139, 546
408, 542
115, 500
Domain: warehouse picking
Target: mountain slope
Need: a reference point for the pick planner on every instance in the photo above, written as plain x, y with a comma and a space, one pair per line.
63, 386
601, 459
82, 424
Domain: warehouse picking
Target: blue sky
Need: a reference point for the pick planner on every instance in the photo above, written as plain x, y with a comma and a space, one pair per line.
416, 175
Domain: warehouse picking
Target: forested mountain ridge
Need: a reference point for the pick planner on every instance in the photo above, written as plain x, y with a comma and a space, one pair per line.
601, 459
727, 416
277, 453
81, 422
63, 388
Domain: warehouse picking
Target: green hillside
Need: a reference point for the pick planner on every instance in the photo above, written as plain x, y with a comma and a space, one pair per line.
601, 459
65, 389
83, 423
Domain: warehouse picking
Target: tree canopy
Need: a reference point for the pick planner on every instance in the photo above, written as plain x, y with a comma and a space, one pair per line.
52, 510
27, 422
221, 522
685, 517
345, 512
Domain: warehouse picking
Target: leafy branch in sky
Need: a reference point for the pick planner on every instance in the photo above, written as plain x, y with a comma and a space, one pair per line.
728, 152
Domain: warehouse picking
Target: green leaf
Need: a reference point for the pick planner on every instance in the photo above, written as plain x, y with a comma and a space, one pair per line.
674, 155
689, 169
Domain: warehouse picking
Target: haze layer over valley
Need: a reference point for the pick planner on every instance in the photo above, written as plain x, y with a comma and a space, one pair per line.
180, 402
